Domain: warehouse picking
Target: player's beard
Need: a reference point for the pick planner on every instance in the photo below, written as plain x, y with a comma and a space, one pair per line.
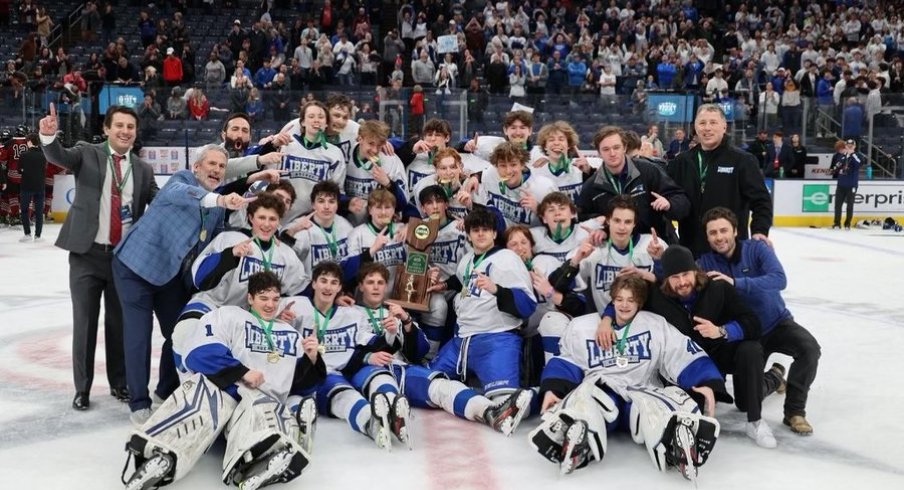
235, 148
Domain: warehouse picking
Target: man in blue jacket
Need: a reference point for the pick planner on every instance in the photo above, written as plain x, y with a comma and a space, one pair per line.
148, 264
757, 275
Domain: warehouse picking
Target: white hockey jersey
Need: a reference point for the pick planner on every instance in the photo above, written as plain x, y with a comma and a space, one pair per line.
544, 244
346, 328
419, 168
305, 167
448, 249
455, 208
346, 139
508, 200
476, 308
233, 286
543, 265
392, 254
317, 244
359, 182
568, 181
597, 271
245, 342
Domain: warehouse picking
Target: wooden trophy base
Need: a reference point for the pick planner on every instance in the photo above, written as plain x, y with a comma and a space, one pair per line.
411, 306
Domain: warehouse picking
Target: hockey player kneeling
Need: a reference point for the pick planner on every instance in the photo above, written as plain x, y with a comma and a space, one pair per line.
237, 369
588, 391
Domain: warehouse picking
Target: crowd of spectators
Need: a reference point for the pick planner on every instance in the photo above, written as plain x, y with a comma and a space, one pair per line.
773, 58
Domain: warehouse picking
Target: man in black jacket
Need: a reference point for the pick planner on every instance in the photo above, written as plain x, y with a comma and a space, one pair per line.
658, 198
716, 173
32, 164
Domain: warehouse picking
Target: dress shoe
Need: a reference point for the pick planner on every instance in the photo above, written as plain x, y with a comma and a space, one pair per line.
80, 402
121, 394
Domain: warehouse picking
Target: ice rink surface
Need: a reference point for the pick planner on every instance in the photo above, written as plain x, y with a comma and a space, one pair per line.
845, 287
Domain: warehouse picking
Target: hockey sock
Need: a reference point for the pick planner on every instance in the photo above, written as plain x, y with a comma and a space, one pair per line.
350, 406
456, 398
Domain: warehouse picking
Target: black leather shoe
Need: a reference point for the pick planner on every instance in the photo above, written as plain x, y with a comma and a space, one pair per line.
80, 402
121, 394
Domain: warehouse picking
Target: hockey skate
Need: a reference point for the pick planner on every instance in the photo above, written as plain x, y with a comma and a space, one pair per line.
268, 470
399, 417
151, 472
506, 416
684, 448
378, 428
576, 451
306, 416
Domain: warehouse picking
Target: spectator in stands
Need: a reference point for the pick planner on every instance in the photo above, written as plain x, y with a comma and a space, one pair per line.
90, 21
346, 64
198, 106
779, 157
281, 98
665, 72
799, 152
124, 72
768, 109
43, 25
214, 72
151, 82
423, 70
368, 65
147, 29
517, 81
236, 38
577, 69
176, 108
188, 64
791, 106
846, 169
680, 144
172, 68
264, 75
393, 47
148, 115
327, 63
107, 22
254, 107
416, 109
852, 119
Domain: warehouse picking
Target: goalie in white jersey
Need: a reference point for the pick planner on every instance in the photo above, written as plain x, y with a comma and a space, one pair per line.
493, 295
222, 269
320, 235
512, 188
588, 390
368, 170
592, 269
309, 158
237, 369
356, 359
555, 157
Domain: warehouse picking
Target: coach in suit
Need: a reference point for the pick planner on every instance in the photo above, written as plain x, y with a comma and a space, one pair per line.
106, 204
778, 156
148, 268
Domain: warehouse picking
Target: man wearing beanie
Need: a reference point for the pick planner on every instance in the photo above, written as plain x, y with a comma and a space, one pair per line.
713, 315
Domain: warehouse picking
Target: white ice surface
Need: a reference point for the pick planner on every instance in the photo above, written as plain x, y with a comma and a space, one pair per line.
845, 287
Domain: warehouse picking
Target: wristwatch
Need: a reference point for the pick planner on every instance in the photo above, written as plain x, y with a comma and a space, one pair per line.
723, 333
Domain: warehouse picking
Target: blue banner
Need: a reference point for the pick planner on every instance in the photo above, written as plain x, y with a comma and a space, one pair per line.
119, 95
667, 107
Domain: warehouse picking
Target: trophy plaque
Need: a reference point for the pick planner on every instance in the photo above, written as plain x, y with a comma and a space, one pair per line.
410, 289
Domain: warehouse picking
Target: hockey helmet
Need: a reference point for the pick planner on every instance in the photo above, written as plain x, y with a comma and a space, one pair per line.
21, 131
5, 136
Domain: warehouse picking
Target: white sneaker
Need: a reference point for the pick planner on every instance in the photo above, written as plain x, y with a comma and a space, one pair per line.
760, 432
156, 400
26, 238
140, 417
39, 239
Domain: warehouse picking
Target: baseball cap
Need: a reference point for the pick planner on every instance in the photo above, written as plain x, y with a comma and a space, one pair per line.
850, 142
170, 50
237, 22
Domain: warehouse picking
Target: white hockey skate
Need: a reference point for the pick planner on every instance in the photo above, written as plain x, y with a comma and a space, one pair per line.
378, 429
574, 448
399, 420
267, 471
684, 448
506, 416
306, 416
151, 473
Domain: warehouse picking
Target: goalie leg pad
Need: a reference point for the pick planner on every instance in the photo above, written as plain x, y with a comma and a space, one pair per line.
656, 414
552, 327
184, 427
261, 427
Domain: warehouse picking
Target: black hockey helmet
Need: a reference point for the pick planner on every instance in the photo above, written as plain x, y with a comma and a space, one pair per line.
5, 136
21, 130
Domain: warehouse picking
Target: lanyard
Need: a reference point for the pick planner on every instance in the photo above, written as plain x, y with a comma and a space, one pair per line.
367, 164
503, 186
119, 185
321, 321
529, 263
377, 232
375, 322
630, 250
559, 236
615, 180
430, 155
702, 171
330, 238
620, 343
267, 326
474, 264
562, 165
266, 257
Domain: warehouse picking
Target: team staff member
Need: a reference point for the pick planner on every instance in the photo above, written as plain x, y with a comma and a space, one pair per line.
716, 173
112, 189
148, 268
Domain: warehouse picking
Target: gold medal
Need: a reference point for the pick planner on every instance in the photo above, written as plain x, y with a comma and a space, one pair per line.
273, 356
203, 235
621, 361
321, 349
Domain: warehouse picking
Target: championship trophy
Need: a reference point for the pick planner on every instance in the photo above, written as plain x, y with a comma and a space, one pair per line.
410, 290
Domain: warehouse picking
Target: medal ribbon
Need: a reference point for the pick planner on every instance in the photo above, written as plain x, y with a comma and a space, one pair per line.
330, 238
702, 171
321, 321
614, 180
266, 257
390, 226
558, 235
562, 165
620, 343
475, 263
267, 326
630, 250
375, 322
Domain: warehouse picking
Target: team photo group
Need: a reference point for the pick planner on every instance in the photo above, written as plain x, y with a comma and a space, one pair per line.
324, 272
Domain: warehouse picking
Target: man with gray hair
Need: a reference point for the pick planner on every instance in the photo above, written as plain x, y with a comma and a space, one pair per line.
717, 173
151, 260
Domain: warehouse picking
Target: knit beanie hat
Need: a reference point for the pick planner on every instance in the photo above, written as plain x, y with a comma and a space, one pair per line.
677, 259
